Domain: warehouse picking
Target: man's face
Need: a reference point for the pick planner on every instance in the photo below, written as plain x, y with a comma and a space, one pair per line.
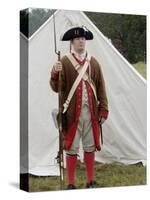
79, 43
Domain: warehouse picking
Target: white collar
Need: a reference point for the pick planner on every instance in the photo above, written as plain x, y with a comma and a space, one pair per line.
81, 56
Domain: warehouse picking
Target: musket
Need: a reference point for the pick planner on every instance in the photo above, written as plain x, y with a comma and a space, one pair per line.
60, 156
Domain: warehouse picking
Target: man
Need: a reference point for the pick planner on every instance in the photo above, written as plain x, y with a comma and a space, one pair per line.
86, 109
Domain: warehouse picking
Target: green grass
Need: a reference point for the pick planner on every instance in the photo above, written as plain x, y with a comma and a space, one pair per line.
141, 68
107, 175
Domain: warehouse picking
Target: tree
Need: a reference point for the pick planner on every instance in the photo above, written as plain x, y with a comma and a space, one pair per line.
127, 33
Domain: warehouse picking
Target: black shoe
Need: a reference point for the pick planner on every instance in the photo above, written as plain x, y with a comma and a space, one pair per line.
71, 186
91, 184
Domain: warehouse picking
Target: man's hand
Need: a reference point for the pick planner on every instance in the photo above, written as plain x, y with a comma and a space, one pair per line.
58, 66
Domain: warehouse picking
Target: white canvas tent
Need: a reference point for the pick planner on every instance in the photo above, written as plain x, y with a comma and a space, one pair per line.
125, 130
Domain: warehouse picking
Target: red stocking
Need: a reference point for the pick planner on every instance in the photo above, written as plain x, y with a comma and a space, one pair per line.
89, 158
70, 168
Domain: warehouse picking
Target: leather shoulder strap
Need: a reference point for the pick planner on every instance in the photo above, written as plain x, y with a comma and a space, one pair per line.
75, 84
86, 76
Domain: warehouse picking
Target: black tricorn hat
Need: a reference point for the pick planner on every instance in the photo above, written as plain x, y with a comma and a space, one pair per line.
77, 32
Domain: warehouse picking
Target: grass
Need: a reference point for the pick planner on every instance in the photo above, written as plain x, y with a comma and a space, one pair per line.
106, 175
141, 68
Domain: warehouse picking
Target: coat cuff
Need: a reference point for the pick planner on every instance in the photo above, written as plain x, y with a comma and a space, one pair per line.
103, 114
54, 74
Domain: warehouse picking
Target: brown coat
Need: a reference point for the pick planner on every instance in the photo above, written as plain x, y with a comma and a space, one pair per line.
69, 75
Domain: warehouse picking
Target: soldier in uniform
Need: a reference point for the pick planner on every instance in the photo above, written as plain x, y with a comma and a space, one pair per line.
88, 107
